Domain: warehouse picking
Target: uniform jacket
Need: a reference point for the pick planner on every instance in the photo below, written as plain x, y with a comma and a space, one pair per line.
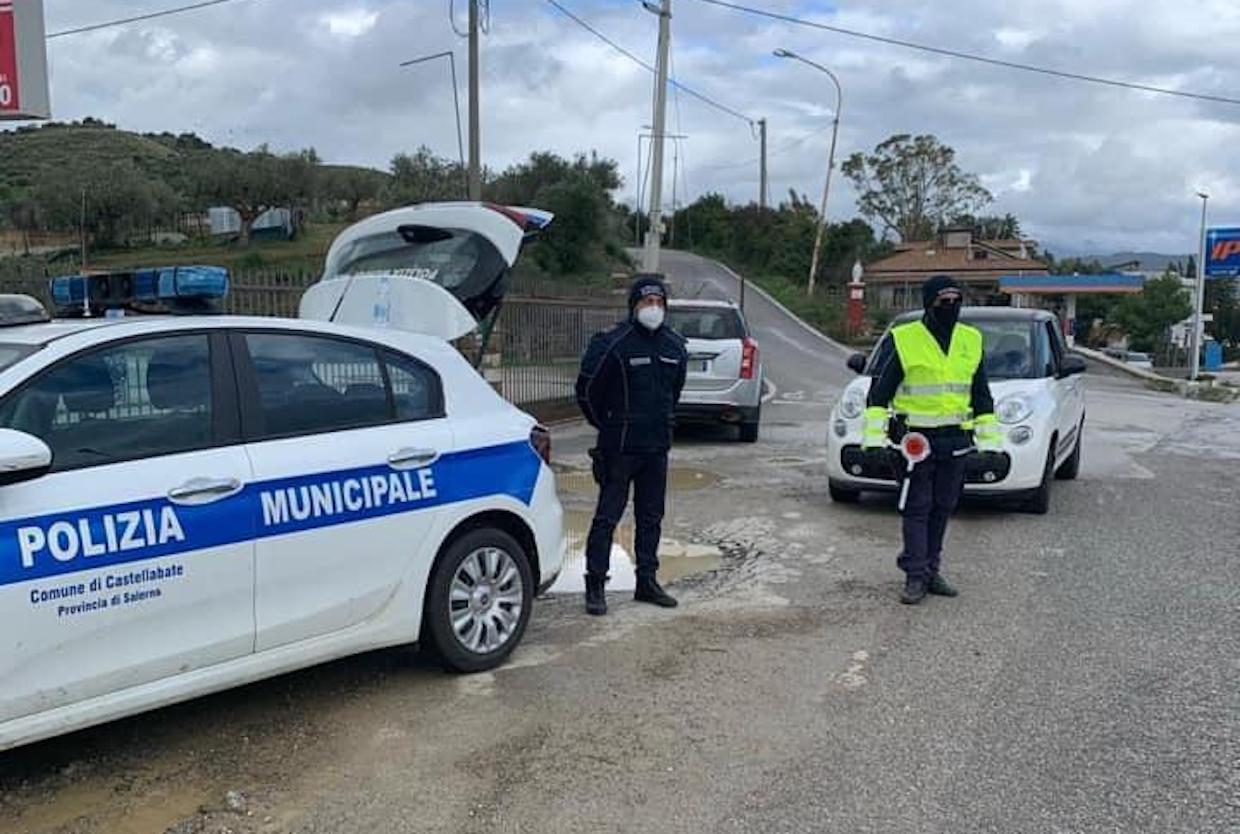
630, 382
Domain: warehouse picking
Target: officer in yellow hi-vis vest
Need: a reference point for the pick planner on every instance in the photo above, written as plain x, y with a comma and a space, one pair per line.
935, 383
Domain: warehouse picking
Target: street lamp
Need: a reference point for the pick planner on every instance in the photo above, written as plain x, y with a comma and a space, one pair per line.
1199, 293
835, 129
456, 102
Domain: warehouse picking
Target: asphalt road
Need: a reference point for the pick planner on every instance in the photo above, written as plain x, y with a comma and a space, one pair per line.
1085, 681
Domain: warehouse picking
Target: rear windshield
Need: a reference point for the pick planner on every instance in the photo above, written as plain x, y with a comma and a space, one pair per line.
459, 259
706, 322
1014, 350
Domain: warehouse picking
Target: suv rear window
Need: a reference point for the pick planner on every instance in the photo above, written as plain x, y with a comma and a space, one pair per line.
706, 322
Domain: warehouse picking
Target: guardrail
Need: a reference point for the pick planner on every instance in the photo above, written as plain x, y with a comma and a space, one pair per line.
1200, 390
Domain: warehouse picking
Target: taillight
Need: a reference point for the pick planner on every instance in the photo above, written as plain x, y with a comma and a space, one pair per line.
749, 359
540, 439
515, 216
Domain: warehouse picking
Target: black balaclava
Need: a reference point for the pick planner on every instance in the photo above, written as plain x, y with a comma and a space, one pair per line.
940, 320
646, 284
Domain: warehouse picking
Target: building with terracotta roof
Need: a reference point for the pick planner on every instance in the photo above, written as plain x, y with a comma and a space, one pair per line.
894, 282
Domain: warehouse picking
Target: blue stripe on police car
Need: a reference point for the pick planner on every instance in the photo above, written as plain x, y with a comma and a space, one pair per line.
96, 537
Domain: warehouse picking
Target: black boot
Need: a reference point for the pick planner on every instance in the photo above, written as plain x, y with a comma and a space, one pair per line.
596, 596
940, 587
914, 591
648, 590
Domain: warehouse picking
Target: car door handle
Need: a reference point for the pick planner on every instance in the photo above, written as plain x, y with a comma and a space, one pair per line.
204, 490
412, 458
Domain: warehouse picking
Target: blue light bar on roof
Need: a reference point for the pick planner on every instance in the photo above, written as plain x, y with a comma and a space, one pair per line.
170, 285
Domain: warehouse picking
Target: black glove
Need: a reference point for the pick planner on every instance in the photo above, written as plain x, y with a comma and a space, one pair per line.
598, 466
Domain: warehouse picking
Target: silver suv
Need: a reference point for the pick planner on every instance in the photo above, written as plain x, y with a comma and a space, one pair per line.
724, 383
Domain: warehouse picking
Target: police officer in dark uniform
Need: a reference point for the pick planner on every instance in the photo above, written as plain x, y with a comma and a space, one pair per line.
630, 381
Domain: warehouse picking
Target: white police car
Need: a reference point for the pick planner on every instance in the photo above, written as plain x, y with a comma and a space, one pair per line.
189, 503
1039, 401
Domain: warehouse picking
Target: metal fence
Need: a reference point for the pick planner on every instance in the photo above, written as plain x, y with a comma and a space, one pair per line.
539, 343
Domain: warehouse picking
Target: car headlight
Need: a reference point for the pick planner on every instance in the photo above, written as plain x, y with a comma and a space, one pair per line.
853, 404
1014, 408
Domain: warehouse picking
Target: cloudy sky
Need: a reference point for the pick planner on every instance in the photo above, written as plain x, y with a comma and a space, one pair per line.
1086, 168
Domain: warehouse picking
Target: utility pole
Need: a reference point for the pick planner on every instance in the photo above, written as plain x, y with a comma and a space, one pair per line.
1194, 361
675, 173
826, 189
762, 192
650, 260
475, 139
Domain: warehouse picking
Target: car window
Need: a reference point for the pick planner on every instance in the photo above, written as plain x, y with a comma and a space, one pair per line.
139, 399
308, 384
706, 323
1010, 348
312, 384
455, 259
1052, 351
416, 390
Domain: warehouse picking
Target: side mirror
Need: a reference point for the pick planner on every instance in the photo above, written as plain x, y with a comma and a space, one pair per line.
856, 363
1071, 366
23, 457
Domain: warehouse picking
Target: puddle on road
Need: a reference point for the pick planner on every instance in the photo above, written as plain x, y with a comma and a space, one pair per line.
676, 560
576, 481
158, 809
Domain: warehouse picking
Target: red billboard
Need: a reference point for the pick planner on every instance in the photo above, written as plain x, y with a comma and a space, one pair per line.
10, 92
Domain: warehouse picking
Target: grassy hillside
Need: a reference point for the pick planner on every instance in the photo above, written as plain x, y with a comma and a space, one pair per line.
26, 154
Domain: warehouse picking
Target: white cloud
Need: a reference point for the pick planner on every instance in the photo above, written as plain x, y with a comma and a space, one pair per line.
350, 24
1077, 163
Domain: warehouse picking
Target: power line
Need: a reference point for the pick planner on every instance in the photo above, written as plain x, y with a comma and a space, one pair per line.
94, 27
626, 53
969, 56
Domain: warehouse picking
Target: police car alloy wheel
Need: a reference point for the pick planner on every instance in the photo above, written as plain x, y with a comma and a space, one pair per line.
479, 601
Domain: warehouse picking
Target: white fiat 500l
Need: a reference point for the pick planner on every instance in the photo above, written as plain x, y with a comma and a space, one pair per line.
1039, 401
190, 502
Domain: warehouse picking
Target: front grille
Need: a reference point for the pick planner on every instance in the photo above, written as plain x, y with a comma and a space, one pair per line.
885, 464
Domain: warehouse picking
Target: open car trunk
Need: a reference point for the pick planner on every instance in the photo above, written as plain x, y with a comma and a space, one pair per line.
436, 268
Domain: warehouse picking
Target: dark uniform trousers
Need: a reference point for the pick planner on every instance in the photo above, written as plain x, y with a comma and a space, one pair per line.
937, 484
647, 474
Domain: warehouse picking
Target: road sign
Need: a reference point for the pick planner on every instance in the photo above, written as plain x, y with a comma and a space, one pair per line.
23, 61
1223, 253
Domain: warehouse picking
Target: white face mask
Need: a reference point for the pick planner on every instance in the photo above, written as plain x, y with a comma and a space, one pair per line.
650, 318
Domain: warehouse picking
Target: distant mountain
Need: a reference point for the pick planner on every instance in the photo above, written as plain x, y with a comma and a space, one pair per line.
1150, 261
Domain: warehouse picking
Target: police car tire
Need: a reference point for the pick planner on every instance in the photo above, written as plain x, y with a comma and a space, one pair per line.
443, 643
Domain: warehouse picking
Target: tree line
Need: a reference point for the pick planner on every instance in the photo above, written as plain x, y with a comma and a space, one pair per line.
142, 181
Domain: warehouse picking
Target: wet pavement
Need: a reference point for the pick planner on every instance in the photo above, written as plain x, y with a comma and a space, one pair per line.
1083, 682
